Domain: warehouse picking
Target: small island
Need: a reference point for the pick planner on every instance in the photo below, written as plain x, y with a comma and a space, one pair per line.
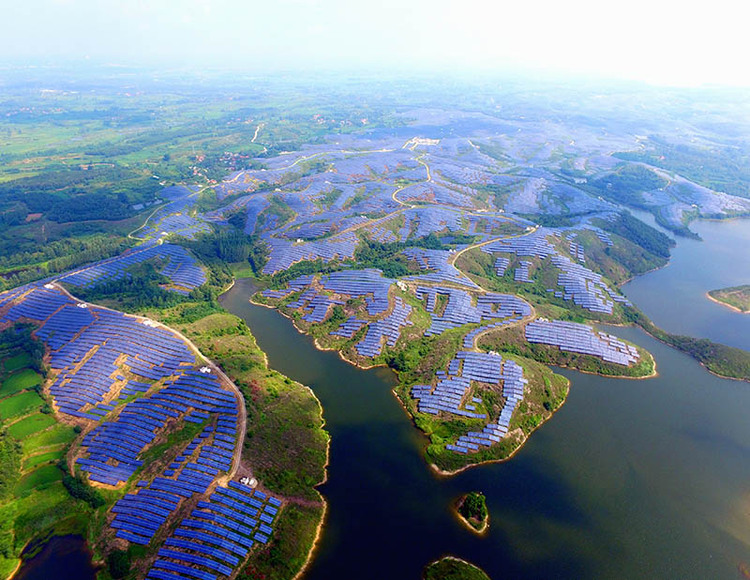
472, 511
737, 297
452, 568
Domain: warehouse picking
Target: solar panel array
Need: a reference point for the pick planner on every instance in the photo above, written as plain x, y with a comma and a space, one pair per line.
113, 447
215, 539
532, 245
175, 223
349, 328
139, 515
576, 250
284, 253
381, 235
451, 395
584, 287
88, 347
581, 338
522, 272
388, 328
357, 283
320, 304
181, 267
513, 385
437, 260
501, 264
423, 221
459, 310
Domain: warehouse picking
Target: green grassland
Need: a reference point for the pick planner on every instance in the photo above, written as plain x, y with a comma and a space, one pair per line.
20, 404
20, 380
450, 568
737, 297
16, 362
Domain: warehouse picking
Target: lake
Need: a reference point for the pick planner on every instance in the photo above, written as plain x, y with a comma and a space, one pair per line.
629, 479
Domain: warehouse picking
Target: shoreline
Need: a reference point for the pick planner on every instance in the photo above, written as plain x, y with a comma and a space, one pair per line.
725, 304
316, 539
321, 524
18, 566
651, 375
435, 468
456, 559
315, 340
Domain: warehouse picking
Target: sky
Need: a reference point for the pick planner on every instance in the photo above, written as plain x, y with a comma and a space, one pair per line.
657, 41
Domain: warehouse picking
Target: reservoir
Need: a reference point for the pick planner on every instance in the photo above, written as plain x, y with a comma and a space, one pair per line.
675, 297
645, 478
630, 479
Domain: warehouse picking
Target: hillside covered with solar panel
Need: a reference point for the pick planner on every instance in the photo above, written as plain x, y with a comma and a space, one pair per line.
470, 252
407, 253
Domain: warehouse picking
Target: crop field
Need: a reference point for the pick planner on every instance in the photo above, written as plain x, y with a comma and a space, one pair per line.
33, 444
19, 404
30, 424
16, 362
19, 381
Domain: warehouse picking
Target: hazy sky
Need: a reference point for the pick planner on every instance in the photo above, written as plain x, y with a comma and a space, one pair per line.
661, 41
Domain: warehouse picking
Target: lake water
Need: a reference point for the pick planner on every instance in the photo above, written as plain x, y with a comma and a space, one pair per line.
61, 558
675, 297
630, 479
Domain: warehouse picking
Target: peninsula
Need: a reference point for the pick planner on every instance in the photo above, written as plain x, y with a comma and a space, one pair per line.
737, 297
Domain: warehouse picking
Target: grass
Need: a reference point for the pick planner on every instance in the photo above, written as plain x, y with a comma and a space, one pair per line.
50, 512
7, 566
737, 297
32, 461
16, 362
20, 404
38, 479
29, 425
450, 568
19, 381
56, 435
